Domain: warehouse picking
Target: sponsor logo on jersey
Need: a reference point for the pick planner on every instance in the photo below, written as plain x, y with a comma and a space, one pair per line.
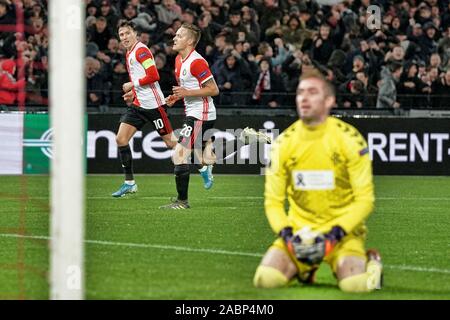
143, 55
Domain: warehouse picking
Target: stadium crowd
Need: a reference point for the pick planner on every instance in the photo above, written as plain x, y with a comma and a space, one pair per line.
256, 49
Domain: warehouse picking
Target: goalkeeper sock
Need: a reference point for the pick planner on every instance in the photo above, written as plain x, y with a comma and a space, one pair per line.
182, 180
269, 277
364, 282
127, 161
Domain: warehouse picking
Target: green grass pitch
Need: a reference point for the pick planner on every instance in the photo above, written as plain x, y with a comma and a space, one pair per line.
136, 251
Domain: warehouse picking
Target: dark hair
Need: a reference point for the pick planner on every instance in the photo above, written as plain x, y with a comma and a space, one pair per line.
127, 24
357, 85
395, 66
193, 30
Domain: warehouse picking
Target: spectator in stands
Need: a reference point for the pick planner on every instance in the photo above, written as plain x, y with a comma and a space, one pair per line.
409, 86
352, 94
100, 34
369, 89
267, 52
387, 95
427, 40
268, 13
114, 51
237, 28
166, 76
435, 61
109, 14
423, 15
145, 22
233, 78
396, 54
444, 47
129, 12
168, 11
446, 17
442, 91
268, 86
189, 16
415, 32
294, 34
250, 22
335, 65
119, 77
95, 83
209, 30
359, 65
91, 10
291, 69
323, 46
7, 17
9, 86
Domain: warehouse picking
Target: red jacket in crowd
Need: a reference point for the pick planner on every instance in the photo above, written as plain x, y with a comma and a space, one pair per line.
8, 85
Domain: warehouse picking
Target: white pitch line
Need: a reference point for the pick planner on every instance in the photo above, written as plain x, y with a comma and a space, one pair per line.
241, 197
419, 269
141, 245
212, 251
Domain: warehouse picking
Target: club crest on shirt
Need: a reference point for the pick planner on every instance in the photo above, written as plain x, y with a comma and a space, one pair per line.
184, 72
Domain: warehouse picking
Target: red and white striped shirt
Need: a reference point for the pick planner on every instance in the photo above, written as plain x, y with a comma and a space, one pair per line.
144, 75
191, 73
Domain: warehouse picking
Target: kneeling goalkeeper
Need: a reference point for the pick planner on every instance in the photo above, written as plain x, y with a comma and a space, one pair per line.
323, 166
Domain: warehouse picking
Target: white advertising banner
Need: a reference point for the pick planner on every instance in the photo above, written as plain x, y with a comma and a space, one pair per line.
11, 142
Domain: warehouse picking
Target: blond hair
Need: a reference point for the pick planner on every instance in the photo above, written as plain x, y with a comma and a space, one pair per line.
193, 30
328, 87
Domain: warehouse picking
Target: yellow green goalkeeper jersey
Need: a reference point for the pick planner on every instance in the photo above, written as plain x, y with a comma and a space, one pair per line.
326, 173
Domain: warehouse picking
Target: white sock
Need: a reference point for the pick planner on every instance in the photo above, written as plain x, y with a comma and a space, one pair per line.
203, 169
129, 182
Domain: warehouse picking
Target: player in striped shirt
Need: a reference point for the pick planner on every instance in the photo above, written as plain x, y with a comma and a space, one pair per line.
196, 87
148, 103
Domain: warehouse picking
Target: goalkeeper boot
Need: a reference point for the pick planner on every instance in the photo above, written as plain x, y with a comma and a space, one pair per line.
207, 176
176, 204
375, 267
250, 135
125, 189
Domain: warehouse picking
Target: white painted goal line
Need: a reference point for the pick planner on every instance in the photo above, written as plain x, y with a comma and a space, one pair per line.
211, 251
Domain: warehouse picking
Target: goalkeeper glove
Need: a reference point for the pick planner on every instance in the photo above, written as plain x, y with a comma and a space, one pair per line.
307, 253
331, 238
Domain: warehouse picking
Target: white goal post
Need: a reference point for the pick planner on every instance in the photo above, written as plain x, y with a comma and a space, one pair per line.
67, 109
